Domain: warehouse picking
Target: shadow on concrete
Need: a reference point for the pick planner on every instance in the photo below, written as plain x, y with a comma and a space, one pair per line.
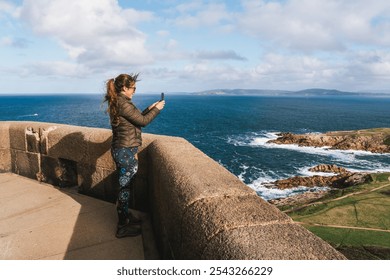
67, 169
94, 230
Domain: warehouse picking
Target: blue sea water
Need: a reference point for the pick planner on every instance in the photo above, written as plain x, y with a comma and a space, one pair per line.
233, 130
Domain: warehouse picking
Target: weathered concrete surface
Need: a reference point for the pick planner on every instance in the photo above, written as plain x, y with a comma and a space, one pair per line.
199, 209
68, 155
38, 221
202, 211
275, 241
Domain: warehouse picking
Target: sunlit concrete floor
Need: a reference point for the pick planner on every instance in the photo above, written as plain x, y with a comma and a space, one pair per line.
39, 221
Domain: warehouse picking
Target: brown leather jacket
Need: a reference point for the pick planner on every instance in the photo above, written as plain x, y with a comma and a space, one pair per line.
128, 132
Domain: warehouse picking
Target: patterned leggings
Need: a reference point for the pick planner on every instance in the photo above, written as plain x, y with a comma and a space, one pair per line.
127, 166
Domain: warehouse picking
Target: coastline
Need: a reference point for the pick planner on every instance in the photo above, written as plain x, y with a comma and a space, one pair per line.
376, 140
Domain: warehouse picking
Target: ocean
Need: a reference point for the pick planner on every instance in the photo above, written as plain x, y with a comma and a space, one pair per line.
233, 130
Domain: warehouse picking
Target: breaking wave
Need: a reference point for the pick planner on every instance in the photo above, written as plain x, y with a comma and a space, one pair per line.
286, 161
27, 116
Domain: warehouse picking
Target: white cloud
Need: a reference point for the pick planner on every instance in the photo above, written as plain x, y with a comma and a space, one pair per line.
5, 41
295, 71
198, 14
7, 7
210, 75
54, 68
95, 33
368, 69
362, 70
219, 55
13, 42
163, 33
199, 44
311, 25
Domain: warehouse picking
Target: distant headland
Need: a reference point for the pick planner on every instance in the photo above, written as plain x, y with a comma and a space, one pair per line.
313, 92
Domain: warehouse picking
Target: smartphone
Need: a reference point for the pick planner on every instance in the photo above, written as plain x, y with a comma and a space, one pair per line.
162, 96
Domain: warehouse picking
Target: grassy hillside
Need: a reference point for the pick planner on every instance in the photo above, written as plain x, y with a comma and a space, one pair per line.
356, 220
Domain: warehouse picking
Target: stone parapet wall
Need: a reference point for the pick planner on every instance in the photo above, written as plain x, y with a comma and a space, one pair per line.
202, 211
199, 209
62, 155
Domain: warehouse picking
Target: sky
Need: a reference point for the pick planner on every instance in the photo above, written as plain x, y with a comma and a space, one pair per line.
75, 46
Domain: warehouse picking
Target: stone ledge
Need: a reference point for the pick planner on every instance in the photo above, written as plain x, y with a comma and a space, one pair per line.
199, 209
208, 217
269, 242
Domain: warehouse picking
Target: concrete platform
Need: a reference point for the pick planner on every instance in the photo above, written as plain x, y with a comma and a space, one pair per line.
39, 221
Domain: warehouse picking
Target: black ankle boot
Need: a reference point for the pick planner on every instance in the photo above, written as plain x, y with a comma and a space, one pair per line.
134, 220
128, 230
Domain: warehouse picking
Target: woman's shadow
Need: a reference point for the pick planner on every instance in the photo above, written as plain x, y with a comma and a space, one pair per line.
75, 161
83, 166
80, 166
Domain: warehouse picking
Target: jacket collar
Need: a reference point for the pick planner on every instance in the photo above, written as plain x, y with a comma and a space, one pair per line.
124, 96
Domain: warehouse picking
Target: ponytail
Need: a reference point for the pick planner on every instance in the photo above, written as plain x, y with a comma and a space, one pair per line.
114, 87
112, 99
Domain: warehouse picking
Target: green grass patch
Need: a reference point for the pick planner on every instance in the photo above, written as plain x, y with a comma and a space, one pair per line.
351, 237
380, 177
356, 244
365, 252
369, 209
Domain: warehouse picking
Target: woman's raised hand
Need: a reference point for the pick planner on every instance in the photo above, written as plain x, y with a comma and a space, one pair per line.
160, 104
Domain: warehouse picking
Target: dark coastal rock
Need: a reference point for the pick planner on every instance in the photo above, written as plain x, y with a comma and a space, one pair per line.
352, 180
346, 180
373, 140
298, 199
343, 179
328, 168
311, 181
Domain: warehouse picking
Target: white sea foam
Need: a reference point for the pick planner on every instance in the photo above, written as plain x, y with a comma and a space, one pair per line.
260, 138
354, 161
305, 172
262, 141
326, 151
360, 160
261, 184
267, 193
241, 175
29, 115
273, 193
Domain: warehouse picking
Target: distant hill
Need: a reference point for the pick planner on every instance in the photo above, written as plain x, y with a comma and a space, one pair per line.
322, 92
264, 92
306, 92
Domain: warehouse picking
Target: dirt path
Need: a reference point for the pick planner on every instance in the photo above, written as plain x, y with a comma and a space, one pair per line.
355, 193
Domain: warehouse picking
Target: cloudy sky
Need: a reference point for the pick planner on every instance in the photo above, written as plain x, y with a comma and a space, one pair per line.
74, 46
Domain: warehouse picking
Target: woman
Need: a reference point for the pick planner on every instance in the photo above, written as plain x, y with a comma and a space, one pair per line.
126, 122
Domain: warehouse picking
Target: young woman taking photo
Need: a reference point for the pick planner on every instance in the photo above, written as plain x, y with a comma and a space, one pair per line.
126, 122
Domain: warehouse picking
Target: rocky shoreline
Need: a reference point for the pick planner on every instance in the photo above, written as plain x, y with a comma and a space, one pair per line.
372, 140
339, 178
375, 140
